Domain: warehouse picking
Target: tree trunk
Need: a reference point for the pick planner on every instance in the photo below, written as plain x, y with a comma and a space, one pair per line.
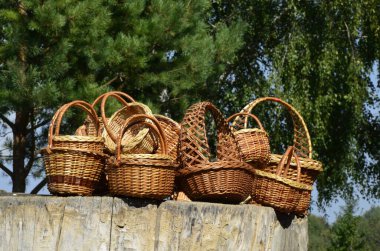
19, 151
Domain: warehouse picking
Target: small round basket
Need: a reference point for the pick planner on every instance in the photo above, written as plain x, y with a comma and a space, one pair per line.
73, 163
253, 142
276, 189
142, 175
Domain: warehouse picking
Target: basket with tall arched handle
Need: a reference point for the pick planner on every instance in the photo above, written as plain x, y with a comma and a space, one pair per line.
310, 168
144, 175
277, 189
88, 127
73, 163
137, 139
228, 178
253, 142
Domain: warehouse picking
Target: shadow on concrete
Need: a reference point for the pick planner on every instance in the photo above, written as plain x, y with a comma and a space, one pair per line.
285, 219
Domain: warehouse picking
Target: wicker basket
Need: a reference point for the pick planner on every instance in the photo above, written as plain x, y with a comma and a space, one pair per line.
73, 163
253, 142
310, 168
276, 189
88, 127
142, 175
137, 139
228, 179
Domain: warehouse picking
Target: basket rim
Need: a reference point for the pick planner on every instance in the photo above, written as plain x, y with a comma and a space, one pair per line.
306, 163
79, 138
286, 181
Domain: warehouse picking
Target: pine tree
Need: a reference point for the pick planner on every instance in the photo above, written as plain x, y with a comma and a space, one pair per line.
345, 233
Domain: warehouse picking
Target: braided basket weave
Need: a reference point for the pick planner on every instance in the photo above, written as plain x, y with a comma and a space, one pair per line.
253, 142
310, 168
142, 175
228, 179
73, 163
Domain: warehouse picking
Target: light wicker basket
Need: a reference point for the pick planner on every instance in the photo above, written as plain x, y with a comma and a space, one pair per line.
73, 163
137, 138
143, 175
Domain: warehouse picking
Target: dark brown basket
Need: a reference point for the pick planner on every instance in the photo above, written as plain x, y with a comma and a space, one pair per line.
277, 189
226, 180
142, 175
310, 168
253, 142
73, 163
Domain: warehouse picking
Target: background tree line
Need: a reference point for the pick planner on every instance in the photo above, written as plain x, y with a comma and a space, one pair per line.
317, 55
348, 232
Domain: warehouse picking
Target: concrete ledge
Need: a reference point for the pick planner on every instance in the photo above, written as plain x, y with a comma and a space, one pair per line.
107, 223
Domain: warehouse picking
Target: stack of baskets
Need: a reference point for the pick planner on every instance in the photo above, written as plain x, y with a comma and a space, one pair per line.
300, 172
135, 153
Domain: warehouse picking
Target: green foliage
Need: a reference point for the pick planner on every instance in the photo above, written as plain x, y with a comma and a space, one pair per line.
319, 232
369, 224
348, 232
345, 233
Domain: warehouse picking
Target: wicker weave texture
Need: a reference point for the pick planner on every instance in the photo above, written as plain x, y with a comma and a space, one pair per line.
137, 139
142, 175
171, 130
228, 179
253, 142
302, 141
73, 163
278, 190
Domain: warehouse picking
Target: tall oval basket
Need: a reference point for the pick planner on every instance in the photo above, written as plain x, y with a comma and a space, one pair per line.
145, 175
73, 163
227, 179
310, 168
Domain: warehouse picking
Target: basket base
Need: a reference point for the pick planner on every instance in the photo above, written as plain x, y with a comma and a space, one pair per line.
220, 186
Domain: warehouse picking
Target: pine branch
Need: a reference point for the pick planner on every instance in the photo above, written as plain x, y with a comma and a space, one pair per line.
39, 186
6, 170
112, 80
7, 121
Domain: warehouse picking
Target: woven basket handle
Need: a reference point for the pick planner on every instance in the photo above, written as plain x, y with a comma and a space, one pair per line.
139, 119
57, 118
248, 115
289, 153
302, 141
194, 145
